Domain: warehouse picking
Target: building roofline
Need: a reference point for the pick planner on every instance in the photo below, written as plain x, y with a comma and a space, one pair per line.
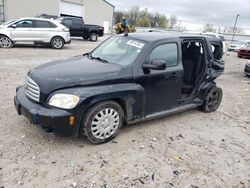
109, 3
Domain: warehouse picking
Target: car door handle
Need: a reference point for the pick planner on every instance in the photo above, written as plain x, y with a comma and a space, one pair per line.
174, 75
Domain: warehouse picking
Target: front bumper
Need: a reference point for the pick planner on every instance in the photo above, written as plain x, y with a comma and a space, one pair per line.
50, 119
244, 54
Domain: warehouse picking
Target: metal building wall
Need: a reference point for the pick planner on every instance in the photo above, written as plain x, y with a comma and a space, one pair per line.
98, 12
29, 8
1, 11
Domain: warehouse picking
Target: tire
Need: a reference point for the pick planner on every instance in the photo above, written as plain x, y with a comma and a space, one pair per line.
93, 37
85, 37
57, 43
212, 100
5, 42
118, 31
109, 115
239, 56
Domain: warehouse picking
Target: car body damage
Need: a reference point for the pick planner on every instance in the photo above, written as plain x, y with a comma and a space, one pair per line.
136, 78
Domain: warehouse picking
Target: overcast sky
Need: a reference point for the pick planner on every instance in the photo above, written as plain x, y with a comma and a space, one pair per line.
196, 12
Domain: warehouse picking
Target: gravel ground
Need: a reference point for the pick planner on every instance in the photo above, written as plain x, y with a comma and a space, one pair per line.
190, 149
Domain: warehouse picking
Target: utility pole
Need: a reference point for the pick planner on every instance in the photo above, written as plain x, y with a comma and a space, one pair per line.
236, 19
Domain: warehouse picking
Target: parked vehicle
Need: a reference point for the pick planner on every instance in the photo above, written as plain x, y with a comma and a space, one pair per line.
244, 51
78, 28
237, 45
119, 29
124, 80
247, 69
219, 36
47, 16
34, 31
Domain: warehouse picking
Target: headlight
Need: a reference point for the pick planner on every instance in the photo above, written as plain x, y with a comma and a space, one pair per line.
65, 101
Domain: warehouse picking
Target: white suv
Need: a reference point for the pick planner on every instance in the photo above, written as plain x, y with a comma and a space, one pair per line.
34, 31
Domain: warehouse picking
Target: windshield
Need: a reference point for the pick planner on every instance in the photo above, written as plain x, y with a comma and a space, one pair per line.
9, 22
118, 50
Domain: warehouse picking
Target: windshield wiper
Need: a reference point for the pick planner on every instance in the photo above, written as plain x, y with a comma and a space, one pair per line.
99, 59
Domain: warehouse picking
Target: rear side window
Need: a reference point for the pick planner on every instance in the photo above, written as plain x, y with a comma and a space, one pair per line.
166, 52
44, 24
68, 22
24, 24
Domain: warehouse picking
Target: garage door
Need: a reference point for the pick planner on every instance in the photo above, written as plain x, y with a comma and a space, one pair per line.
71, 9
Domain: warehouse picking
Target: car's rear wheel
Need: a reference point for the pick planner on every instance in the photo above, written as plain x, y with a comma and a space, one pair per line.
102, 122
212, 100
57, 43
5, 42
93, 37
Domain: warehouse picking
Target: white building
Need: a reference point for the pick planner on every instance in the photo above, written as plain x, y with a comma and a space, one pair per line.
98, 12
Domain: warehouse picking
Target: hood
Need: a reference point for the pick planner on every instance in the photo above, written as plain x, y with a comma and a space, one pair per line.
245, 48
76, 71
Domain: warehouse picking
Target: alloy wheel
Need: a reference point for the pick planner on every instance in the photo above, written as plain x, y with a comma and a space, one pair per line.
5, 42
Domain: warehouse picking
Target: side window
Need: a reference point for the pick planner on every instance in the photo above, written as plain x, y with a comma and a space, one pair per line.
248, 44
44, 24
24, 24
68, 23
77, 22
167, 52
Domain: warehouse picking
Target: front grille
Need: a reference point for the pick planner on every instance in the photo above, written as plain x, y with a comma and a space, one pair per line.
32, 90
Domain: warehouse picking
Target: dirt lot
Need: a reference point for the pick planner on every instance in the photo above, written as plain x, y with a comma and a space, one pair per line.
189, 150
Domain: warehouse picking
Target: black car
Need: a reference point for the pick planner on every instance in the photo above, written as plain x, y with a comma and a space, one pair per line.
78, 28
126, 79
247, 69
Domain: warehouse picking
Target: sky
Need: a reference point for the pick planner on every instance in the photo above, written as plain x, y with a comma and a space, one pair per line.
195, 13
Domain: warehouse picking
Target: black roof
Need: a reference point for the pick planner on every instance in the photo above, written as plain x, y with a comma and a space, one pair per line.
154, 36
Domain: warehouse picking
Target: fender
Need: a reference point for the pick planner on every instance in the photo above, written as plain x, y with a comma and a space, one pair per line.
130, 96
204, 88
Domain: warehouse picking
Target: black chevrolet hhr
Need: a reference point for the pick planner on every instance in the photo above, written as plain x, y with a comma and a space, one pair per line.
126, 79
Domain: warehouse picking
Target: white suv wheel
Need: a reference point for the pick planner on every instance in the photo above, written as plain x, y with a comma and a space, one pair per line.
57, 43
5, 42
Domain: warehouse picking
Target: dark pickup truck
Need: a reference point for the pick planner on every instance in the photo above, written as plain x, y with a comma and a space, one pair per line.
78, 28
125, 80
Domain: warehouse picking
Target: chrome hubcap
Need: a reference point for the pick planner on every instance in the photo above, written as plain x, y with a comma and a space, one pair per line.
57, 43
105, 123
94, 37
5, 42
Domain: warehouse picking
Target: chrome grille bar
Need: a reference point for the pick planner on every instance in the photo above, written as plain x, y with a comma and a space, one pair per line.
32, 90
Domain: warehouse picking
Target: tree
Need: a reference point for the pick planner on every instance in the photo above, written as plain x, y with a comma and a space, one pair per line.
142, 18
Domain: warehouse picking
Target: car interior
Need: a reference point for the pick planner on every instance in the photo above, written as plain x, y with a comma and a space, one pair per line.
193, 65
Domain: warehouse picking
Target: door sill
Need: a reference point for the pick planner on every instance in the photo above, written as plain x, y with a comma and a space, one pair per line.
177, 109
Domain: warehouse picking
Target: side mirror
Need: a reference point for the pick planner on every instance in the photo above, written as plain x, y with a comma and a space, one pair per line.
14, 26
155, 65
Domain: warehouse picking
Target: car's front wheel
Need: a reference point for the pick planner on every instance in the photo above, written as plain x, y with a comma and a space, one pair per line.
57, 43
5, 42
102, 122
212, 100
93, 37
